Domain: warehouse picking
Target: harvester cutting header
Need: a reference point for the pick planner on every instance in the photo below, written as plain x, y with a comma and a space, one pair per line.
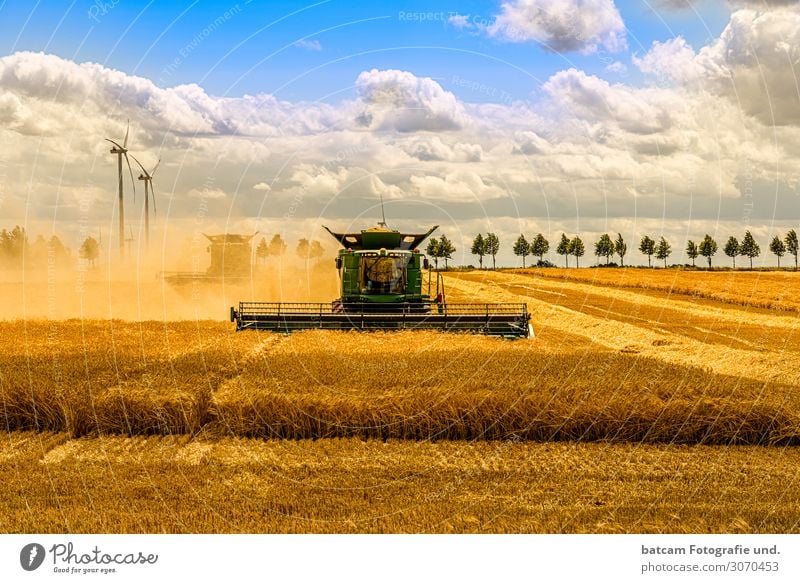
381, 274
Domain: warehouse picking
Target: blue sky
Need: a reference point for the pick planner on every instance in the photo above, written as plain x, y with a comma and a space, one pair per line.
252, 49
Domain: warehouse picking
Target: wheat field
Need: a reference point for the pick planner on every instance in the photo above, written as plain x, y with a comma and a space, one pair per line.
635, 409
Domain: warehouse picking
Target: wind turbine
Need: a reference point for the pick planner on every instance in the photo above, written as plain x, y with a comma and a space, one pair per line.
121, 151
147, 177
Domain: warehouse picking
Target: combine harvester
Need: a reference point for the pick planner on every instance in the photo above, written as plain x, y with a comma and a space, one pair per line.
381, 277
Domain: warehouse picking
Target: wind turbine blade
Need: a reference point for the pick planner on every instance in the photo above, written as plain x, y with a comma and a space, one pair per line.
127, 130
115, 143
153, 171
153, 196
140, 165
133, 182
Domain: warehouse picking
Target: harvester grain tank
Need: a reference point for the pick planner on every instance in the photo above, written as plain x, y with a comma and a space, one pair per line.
381, 273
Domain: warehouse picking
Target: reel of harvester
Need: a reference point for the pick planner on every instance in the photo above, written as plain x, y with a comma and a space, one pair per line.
381, 277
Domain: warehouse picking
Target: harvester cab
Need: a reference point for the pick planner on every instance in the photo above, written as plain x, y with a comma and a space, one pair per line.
381, 269
381, 273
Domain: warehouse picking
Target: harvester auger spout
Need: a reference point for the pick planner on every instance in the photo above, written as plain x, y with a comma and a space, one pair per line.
381, 275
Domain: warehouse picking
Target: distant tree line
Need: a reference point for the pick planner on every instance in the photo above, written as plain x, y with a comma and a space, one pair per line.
17, 251
306, 249
607, 247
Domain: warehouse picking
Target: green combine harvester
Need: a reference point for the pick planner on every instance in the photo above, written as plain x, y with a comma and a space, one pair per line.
381, 276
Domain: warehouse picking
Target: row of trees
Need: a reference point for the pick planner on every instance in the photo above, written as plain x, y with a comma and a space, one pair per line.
606, 247
306, 249
488, 245
15, 247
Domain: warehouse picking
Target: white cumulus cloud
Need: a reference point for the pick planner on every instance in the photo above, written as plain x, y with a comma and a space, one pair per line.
309, 45
562, 25
400, 100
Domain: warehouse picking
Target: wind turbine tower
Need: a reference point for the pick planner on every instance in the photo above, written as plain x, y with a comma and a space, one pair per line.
147, 178
121, 151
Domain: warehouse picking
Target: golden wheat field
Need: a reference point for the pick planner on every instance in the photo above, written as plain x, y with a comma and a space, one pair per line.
638, 407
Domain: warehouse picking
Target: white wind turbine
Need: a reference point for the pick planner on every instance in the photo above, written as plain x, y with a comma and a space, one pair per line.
121, 151
149, 192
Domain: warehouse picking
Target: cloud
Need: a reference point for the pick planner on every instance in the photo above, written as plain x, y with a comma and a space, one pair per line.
460, 21
207, 193
755, 63
462, 185
530, 144
319, 181
674, 59
434, 149
617, 68
682, 145
762, 4
309, 45
561, 25
676, 4
594, 99
184, 109
399, 100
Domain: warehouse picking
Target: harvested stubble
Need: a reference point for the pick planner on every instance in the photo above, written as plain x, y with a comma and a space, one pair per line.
113, 377
759, 289
178, 484
476, 388
191, 378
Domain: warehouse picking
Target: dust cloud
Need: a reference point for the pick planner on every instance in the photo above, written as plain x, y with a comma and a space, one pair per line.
141, 290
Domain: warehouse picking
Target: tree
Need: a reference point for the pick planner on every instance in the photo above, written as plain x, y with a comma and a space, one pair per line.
540, 246
708, 248
89, 250
648, 247
732, 249
604, 247
479, 248
276, 246
522, 248
432, 251
13, 244
692, 251
778, 247
791, 245
749, 247
492, 247
577, 249
316, 250
446, 249
262, 250
563, 249
663, 250
303, 248
620, 248
58, 255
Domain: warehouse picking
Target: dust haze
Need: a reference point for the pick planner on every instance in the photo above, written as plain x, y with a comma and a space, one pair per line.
158, 285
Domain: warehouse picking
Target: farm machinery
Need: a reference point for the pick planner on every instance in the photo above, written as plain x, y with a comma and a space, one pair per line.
381, 274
